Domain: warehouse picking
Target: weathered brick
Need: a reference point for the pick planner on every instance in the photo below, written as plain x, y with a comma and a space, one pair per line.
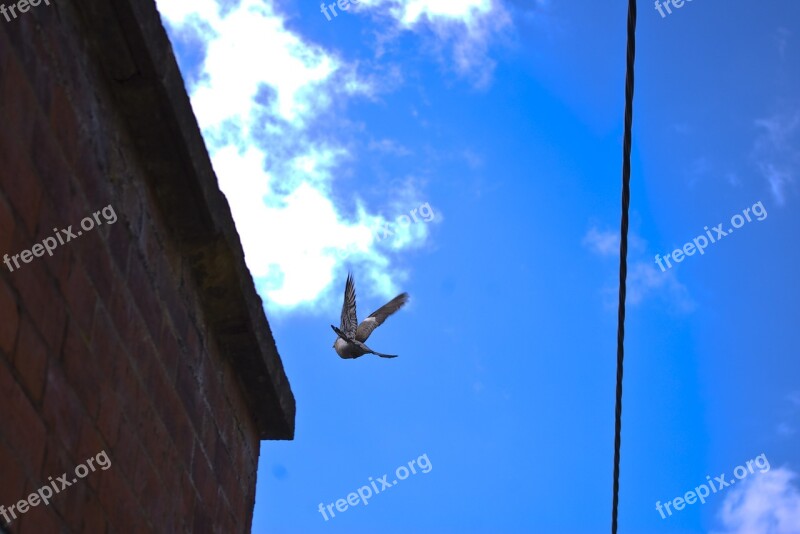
24, 191
132, 205
17, 413
39, 298
72, 499
94, 517
143, 294
61, 409
62, 256
40, 74
126, 453
98, 266
188, 497
225, 426
18, 108
14, 478
158, 444
57, 460
153, 249
126, 383
81, 369
40, 519
168, 511
90, 445
56, 176
176, 309
210, 436
230, 482
202, 518
189, 392
223, 519
204, 479
170, 409
5, 53
9, 311
169, 349
30, 50
105, 348
30, 360
108, 420
153, 482
120, 504
193, 342
91, 171
144, 477
148, 365
212, 390
119, 242
64, 123
7, 226
81, 298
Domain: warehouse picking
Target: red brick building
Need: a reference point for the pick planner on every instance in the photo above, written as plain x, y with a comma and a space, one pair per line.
142, 334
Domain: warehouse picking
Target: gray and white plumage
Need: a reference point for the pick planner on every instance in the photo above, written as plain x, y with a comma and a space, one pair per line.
351, 335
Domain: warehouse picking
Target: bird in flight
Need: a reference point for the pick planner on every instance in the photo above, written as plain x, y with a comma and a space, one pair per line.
351, 335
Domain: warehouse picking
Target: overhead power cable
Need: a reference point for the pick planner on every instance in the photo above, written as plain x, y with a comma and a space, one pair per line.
623, 251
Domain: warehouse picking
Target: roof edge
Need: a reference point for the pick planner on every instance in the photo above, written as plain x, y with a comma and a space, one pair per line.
142, 75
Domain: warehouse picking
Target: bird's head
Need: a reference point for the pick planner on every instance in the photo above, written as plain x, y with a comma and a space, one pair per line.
337, 335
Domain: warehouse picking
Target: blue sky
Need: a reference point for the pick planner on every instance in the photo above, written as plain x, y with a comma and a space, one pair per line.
505, 117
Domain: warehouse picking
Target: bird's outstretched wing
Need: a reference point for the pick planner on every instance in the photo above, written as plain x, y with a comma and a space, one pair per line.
349, 322
379, 316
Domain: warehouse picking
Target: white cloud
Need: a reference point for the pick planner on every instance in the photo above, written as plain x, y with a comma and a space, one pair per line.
776, 154
410, 12
606, 242
388, 146
267, 102
602, 243
467, 26
788, 426
782, 37
765, 504
644, 278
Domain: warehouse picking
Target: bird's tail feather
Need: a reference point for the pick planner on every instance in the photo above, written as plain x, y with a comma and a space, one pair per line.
366, 348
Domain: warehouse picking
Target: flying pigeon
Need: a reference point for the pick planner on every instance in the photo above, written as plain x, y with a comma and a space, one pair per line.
351, 335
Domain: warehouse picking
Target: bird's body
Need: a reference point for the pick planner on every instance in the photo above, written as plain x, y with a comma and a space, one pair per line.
351, 336
348, 350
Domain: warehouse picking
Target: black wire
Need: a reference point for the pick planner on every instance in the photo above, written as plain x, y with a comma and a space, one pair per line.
623, 250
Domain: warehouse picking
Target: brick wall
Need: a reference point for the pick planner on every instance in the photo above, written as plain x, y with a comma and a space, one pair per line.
127, 339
